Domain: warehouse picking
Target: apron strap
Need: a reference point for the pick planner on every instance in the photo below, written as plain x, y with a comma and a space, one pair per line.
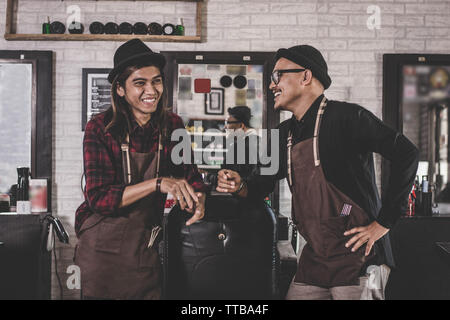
320, 112
322, 106
160, 147
126, 158
289, 163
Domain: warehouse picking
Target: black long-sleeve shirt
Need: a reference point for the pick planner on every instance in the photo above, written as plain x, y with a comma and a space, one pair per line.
348, 136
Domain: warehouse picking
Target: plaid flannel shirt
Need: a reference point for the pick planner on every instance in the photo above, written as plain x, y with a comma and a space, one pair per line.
103, 166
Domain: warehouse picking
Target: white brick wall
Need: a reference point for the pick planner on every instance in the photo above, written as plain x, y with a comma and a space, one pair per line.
337, 28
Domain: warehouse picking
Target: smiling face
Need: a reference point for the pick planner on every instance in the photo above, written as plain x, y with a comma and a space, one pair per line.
288, 92
142, 90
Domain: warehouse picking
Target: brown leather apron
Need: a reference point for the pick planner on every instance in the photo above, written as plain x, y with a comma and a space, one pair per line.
322, 214
112, 252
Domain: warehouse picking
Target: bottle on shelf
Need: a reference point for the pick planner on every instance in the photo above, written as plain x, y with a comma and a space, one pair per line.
46, 29
425, 185
410, 211
179, 28
13, 198
426, 201
23, 201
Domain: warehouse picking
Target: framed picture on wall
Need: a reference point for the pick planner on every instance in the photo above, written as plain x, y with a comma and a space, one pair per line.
96, 93
214, 101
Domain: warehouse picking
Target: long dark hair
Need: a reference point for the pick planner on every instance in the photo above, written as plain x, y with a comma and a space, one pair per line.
119, 115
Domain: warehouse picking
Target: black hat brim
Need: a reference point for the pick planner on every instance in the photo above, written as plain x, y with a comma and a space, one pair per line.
156, 58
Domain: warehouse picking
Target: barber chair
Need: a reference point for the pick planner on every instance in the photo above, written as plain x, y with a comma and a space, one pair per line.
232, 253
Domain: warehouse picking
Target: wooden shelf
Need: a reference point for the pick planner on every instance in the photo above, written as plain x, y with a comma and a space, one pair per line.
11, 36
97, 37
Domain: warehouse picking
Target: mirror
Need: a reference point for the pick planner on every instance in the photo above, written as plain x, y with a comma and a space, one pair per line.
425, 102
26, 109
416, 101
17, 92
204, 84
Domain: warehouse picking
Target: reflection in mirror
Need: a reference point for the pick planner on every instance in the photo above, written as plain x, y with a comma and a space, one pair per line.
205, 92
16, 96
425, 104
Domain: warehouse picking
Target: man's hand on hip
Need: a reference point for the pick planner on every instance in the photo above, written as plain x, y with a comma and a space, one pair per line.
368, 234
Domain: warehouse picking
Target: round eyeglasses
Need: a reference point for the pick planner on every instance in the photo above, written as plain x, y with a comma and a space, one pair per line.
276, 75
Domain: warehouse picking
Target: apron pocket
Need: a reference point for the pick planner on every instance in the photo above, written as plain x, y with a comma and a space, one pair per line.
333, 236
109, 237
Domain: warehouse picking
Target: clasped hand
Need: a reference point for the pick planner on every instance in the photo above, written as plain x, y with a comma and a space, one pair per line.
228, 181
185, 197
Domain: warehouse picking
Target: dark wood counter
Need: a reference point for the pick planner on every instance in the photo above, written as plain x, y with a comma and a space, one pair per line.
25, 264
423, 269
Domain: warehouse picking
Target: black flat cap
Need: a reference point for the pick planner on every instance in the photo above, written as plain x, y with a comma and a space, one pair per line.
310, 58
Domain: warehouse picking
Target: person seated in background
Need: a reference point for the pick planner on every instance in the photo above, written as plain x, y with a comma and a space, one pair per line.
238, 125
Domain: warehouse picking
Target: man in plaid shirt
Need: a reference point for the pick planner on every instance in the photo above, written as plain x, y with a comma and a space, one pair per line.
129, 172
103, 165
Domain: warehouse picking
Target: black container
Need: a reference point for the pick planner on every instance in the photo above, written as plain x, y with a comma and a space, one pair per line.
140, 28
283, 227
46, 28
75, 28
23, 183
125, 28
169, 29
57, 27
97, 28
426, 207
155, 28
13, 196
4, 206
111, 28
179, 28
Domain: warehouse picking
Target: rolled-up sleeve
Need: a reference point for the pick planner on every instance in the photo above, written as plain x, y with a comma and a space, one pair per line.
103, 191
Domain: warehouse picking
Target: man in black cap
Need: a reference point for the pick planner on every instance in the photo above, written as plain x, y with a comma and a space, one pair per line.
326, 155
242, 139
129, 171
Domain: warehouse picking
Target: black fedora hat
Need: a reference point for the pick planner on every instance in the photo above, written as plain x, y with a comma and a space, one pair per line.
131, 52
